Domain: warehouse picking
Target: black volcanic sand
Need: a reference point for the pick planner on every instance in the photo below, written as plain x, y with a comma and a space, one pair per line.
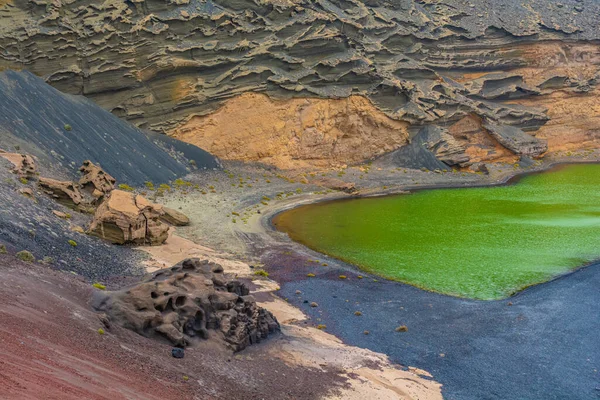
34, 118
541, 344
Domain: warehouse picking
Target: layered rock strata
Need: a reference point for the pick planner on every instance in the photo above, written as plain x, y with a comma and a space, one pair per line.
166, 66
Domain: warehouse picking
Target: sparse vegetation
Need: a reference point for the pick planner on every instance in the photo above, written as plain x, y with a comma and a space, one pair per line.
402, 328
3, 249
261, 272
25, 255
99, 286
342, 276
68, 127
310, 275
321, 326
357, 313
149, 185
23, 180
72, 243
126, 187
100, 331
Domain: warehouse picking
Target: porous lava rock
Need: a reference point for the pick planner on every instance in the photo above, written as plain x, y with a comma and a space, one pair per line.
24, 165
124, 217
188, 303
95, 180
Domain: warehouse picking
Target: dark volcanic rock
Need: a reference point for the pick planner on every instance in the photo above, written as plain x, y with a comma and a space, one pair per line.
189, 302
516, 140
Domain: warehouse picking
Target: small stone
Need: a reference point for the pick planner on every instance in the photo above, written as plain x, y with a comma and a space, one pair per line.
509, 303
313, 304
357, 313
366, 332
298, 292
177, 352
402, 328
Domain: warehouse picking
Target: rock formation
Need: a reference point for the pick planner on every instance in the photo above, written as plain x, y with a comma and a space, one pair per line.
64, 192
166, 65
24, 165
124, 217
95, 180
187, 303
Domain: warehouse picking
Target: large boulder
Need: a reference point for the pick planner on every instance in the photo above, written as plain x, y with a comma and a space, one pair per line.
127, 218
188, 303
24, 165
95, 180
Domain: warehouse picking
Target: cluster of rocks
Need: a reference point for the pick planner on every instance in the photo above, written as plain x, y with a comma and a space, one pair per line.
188, 303
119, 216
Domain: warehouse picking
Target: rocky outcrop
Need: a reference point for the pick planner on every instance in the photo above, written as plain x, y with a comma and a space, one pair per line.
516, 140
190, 302
64, 192
443, 146
173, 217
126, 218
95, 180
295, 133
24, 165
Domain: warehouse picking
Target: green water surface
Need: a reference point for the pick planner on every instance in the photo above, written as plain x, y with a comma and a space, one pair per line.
483, 243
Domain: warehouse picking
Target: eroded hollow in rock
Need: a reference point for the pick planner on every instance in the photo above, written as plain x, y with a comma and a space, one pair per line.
190, 302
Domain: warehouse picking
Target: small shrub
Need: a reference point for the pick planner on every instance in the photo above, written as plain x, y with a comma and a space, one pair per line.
100, 331
310, 275
357, 313
402, 328
3, 249
149, 185
324, 264
360, 277
72, 243
342, 276
126, 187
68, 127
185, 377
24, 181
261, 272
314, 304
47, 260
321, 326
25, 255
99, 286
164, 186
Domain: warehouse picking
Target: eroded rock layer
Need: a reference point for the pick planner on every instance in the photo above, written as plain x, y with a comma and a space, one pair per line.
530, 65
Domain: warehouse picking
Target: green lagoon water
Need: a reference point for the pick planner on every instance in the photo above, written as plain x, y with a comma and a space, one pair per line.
483, 243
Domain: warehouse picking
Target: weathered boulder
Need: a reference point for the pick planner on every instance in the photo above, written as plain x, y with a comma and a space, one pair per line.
516, 140
95, 180
174, 217
127, 218
65, 192
443, 145
24, 165
188, 303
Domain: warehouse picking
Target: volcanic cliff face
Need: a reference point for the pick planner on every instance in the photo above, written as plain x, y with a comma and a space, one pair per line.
529, 65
